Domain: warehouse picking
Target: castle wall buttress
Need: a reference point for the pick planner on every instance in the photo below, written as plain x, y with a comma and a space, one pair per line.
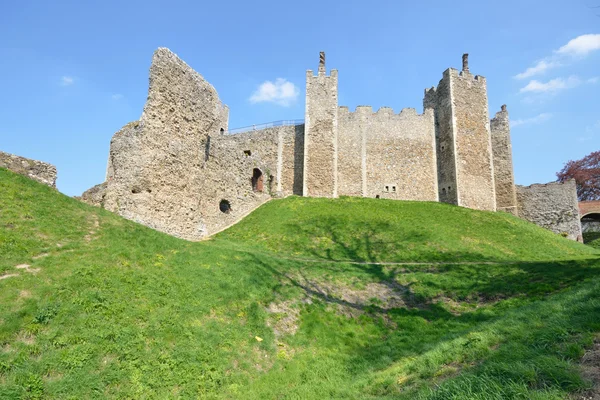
320, 136
506, 195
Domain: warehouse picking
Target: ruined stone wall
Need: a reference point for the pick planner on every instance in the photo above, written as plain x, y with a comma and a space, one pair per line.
440, 100
552, 206
37, 170
321, 129
506, 196
231, 165
387, 155
475, 173
228, 175
155, 174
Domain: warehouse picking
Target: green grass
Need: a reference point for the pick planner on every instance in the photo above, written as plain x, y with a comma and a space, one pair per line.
372, 230
497, 308
592, 239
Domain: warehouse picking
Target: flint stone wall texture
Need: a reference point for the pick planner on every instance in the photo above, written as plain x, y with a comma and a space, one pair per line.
155, 171
230, 163
95, 195
37, 170
440, 100
475, 172
506, 196
387, 155
321, 130
552, 206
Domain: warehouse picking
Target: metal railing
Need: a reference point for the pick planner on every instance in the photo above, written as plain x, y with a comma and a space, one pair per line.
257, 127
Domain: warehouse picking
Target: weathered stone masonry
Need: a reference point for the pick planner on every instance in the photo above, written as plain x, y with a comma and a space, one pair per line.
179, 171
553, 206
506, 196
37, 170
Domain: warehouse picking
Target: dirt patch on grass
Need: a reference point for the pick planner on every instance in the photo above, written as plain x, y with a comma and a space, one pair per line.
6, 276
95, 225
590, 364
374, 297
284, 317
28, 268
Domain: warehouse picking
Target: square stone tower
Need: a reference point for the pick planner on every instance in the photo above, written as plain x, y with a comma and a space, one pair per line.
320, 133
463, 140
506, 194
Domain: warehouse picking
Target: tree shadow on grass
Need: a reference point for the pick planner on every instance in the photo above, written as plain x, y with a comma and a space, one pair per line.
338, 239
424, 324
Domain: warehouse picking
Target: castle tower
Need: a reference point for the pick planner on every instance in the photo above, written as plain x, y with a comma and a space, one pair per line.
320, 133
463, 140
506, 195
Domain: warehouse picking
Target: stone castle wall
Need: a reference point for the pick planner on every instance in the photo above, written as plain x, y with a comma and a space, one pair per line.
37, 170
552, 206
154, 174
506, 196
176, 170
473, 148
387, 155
270, 156
439, 99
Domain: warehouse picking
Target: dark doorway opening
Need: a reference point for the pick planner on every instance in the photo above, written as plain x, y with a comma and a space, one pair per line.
257, 180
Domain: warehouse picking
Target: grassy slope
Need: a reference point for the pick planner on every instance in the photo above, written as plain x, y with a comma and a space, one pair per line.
592, 239
384, 230
120, 311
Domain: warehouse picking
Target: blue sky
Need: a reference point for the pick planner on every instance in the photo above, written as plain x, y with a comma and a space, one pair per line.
74, 72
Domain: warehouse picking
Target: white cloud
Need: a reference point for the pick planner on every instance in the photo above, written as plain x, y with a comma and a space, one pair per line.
538, 119
593, 80
581, 45
541, 67
551, 86
281, 92
67, 80
117, 96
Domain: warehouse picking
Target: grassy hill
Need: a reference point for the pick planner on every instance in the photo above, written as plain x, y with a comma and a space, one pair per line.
592, 239
305, 298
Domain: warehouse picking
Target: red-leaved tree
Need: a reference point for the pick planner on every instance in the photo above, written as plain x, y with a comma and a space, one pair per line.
586, 173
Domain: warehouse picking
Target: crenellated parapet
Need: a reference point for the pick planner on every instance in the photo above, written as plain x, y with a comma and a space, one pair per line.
387, 154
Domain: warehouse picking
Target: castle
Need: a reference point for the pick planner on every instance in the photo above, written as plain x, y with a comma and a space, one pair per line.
179, 170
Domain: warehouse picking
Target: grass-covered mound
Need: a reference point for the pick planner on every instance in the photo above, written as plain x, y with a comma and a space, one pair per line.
359, 229
592, 239
104, 308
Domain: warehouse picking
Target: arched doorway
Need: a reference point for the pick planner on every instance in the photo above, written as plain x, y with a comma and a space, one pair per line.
257, 180
590, 222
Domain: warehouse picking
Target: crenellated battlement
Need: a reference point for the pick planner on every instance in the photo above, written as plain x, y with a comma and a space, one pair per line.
382, 111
